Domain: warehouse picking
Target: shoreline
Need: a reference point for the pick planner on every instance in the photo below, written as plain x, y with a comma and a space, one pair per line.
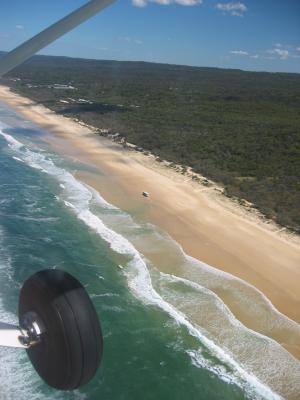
208, 226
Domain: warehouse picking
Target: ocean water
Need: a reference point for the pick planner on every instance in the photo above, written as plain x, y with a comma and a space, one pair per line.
167, 332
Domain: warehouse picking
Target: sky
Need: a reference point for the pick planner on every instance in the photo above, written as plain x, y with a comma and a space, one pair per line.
256, 35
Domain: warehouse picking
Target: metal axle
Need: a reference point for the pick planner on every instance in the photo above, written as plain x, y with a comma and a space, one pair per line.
22, 337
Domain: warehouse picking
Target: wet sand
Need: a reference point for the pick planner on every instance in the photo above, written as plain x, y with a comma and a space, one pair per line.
206, 224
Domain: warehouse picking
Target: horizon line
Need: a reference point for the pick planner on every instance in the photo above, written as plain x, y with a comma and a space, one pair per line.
157, 62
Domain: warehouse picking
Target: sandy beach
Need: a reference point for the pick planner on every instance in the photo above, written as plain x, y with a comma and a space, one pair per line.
208, 226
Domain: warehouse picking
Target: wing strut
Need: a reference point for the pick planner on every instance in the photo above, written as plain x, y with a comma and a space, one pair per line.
49, 35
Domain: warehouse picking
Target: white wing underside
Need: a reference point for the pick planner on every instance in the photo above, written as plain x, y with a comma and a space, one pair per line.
9, 335
49, 35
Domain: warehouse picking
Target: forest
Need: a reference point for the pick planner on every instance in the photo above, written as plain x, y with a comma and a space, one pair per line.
240, 129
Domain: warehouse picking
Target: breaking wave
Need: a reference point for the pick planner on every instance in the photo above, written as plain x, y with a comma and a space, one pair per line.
79, 198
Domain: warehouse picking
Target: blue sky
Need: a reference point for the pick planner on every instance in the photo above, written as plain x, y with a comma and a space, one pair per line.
261, 35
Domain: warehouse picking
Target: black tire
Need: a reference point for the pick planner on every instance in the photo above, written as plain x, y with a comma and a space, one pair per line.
71, 347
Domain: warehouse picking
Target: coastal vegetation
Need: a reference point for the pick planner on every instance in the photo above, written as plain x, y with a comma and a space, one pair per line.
240, 129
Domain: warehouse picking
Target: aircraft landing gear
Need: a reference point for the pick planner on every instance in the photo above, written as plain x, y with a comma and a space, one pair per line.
59, 328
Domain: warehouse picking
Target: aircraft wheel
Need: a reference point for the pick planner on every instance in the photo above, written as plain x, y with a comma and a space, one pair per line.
55, 307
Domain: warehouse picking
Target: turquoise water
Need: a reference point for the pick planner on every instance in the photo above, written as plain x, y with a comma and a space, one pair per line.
153, 347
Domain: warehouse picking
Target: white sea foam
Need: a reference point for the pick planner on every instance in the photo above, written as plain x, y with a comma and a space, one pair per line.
69, 204
99, 200
256, 352
78, 198
12, 142
95, 295
273, 319
18, 159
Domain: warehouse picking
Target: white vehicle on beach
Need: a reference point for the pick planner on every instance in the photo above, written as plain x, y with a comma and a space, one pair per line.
119, 204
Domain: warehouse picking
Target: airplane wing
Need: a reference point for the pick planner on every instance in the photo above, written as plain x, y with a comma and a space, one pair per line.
49, 35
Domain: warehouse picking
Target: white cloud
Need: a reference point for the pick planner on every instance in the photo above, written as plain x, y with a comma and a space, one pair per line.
125, 39
20, 27
5, 35
283, 54
277, 52
239, 52
298, 48
235, 9
130, 40
143, 3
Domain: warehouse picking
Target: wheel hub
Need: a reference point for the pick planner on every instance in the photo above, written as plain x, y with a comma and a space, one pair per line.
32, 328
